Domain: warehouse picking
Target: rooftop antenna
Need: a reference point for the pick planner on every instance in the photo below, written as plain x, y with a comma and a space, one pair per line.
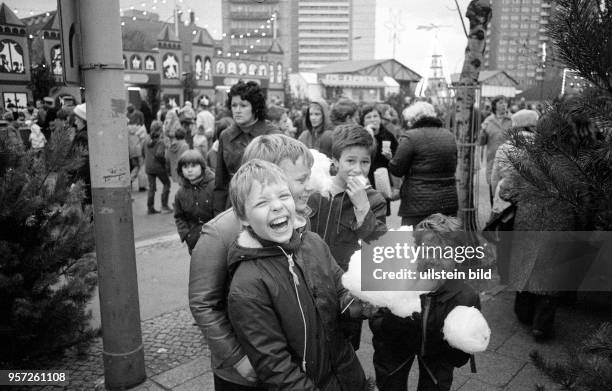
395, 27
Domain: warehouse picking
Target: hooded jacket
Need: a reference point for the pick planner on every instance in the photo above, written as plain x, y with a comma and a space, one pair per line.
334, 220
193, 207
284, 303
321, 137
174, 151
154, 151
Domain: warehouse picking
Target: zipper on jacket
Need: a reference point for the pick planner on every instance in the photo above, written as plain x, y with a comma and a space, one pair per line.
296, 282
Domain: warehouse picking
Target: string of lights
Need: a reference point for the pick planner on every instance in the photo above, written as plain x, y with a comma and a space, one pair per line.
27, 12
258, 33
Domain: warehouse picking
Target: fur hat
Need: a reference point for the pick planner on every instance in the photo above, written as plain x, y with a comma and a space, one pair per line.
81, 112
418, 110
525, 119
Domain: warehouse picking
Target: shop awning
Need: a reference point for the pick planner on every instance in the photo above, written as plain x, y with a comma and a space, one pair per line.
352, 81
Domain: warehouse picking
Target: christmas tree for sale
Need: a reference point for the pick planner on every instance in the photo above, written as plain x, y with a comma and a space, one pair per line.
47, 265
570, 156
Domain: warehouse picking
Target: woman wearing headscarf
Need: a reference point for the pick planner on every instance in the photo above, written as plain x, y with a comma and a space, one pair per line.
247, 103
427, 159
317, 134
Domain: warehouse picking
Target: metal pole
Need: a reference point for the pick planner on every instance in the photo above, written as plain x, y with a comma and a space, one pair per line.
102, 68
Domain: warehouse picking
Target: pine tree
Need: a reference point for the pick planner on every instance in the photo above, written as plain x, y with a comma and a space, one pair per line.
570, 157
590, 367
47, 268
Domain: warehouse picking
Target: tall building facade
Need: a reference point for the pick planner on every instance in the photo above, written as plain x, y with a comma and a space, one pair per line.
256, 26
332, 31
311, 33
517, 41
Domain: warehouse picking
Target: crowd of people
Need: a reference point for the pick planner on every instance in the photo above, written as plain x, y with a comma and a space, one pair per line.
269, 248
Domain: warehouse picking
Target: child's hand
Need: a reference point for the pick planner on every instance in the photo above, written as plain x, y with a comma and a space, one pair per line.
356, 191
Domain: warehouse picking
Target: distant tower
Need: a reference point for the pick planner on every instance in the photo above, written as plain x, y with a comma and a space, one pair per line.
435, 86
436, 82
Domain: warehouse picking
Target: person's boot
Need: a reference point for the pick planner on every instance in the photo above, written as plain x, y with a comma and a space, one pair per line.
152, 211
544, 317
524, 307
166, 209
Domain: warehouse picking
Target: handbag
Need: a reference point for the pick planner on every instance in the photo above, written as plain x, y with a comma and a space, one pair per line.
382, 183
482, 196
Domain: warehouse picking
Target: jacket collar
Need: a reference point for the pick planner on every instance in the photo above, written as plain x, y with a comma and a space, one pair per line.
257, 129
208, 176
447, 291
247, 247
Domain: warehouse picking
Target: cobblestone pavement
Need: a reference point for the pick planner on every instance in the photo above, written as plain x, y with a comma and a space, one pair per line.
169, 341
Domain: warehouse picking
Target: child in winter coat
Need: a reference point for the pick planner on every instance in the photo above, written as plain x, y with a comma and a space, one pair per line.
155, 167
354, 210
193, 200
286, 295
397, 341
177, 147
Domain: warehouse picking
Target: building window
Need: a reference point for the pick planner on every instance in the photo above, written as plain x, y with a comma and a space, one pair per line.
56, 60
170, 65
136, 62
199, 67
220, 68
207, 68
17, 99
271, 74
263, 70
242, 69
149, 63
279, 73
232, 69
11, 55
252, 69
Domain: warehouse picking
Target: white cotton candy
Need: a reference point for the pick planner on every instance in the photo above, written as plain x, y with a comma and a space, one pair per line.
466, 329
320, 178
401, 303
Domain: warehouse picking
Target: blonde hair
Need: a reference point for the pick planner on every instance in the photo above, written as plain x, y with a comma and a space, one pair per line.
439, 231
255, 170
275, 148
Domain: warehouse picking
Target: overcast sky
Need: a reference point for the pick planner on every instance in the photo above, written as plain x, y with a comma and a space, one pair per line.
414, 49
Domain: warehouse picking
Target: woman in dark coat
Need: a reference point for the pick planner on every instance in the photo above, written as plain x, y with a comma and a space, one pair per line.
427, 159
371, 119
247, 103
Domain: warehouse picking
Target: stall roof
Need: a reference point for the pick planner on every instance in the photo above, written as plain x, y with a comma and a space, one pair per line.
380, 68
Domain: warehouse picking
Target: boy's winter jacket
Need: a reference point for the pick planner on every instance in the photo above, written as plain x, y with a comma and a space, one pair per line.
333, 218
193, 207
155, 156
284, 303
396, 339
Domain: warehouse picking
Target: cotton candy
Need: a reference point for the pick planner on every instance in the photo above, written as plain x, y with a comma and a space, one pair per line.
466, 329
320, 178
401, 303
